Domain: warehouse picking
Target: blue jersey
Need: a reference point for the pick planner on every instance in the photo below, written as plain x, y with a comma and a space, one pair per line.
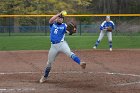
107, 24
57, 32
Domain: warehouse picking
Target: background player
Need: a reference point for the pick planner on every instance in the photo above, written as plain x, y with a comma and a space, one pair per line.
58, 44
106, 27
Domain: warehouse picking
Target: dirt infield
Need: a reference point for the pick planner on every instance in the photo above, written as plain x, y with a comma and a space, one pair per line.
107, 72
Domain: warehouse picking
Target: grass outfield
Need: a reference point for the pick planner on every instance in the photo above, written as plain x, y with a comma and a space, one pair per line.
75, 42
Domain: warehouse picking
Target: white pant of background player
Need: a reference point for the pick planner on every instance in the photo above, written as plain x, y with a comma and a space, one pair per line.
102, 33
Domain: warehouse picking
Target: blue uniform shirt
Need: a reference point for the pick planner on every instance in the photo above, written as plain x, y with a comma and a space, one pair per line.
107, 24
57, 32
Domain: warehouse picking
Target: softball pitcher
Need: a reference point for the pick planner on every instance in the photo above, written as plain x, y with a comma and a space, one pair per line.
106, 27
58, 44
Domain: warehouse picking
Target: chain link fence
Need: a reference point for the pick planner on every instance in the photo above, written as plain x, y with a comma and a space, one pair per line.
39, 26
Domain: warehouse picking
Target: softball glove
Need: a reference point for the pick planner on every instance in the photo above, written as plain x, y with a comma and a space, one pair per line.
71, 28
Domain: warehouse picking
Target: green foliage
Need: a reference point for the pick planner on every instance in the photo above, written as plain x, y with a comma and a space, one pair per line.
73, 6
40, 6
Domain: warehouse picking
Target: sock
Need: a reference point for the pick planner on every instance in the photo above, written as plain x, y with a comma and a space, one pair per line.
75, 58
97, 43
110, 44
47, 70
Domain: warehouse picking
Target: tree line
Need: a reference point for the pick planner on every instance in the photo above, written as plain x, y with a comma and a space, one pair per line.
73, 6
55, 6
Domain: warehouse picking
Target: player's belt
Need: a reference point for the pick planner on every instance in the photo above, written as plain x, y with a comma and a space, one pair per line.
56, 42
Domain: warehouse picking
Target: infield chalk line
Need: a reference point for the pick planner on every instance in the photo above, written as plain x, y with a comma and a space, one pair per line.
72, 72
126, 84
10, 73
121, 74
16, 89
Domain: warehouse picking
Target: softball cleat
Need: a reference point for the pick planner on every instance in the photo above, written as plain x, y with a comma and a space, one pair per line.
110, 49
43, 79
83, 65
94, 47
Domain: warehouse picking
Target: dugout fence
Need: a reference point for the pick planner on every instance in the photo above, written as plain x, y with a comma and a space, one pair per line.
37, 25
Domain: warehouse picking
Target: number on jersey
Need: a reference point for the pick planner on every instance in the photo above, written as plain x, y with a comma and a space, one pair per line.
55, 31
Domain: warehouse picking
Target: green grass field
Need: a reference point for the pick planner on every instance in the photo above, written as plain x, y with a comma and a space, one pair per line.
75, 42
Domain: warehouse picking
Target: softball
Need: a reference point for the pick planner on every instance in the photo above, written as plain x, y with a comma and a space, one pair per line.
64, 13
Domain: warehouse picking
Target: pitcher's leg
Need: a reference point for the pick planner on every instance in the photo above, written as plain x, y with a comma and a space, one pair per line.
51, 57
65, 49
77, 60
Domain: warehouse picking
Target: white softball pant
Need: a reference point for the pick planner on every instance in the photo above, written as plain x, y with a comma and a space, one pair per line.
102, 33
56, 49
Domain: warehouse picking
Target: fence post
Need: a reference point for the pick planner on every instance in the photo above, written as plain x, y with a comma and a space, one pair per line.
45, 26
9, 26
80, 28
